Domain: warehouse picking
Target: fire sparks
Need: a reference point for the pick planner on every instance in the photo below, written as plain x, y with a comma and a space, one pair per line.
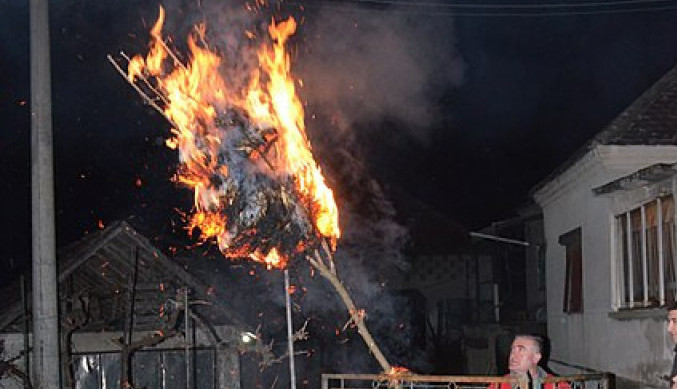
399, 370
244, 152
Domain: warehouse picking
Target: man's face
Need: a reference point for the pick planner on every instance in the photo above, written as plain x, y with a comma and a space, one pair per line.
524, 355
672, 324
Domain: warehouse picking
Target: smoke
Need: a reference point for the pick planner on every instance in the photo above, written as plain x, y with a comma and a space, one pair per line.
365, 64
356, 67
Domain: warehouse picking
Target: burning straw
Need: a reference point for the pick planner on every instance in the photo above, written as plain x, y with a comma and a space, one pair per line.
244, 152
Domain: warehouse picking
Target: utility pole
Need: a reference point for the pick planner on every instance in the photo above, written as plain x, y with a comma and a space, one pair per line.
46, 372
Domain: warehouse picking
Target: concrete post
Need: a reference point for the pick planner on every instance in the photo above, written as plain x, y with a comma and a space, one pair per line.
46, 374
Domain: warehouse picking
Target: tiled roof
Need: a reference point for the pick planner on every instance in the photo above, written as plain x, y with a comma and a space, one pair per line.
649, 120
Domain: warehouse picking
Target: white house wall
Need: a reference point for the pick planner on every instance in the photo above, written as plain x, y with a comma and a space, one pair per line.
637, 349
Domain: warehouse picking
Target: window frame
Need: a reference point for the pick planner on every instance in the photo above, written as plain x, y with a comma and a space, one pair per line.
649, 255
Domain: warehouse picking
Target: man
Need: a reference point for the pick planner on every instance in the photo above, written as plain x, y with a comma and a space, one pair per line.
672, 330
525, 354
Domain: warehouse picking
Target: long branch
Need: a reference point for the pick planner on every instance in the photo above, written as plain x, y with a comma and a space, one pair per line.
317, 262
145, 97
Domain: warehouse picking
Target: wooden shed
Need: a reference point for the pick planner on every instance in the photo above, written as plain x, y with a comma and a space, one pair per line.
124, 321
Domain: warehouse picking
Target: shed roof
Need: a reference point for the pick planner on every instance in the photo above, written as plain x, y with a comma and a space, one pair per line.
105, 264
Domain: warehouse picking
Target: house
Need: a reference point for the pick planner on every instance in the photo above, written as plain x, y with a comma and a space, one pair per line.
609, 226
513, 250
515, 247
121, 299
477, 288
456, 283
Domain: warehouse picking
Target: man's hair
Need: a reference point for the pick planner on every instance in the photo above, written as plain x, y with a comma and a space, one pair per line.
539, 341
671, 306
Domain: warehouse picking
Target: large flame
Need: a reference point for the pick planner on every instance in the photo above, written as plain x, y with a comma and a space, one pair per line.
195, 94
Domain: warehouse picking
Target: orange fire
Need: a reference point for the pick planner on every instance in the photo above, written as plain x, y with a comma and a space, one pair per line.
395, 370
193, 98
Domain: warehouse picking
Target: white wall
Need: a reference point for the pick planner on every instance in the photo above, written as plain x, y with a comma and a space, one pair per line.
637, 348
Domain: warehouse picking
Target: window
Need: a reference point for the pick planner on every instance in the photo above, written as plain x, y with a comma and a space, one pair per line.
573, 279
645, 247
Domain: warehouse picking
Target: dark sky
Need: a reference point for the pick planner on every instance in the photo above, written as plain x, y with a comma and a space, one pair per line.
463, 108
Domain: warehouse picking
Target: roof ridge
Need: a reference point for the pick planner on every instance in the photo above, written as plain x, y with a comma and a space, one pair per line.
627, 118
620, 125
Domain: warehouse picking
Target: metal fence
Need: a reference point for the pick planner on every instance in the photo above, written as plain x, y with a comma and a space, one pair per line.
371, 381
157, 369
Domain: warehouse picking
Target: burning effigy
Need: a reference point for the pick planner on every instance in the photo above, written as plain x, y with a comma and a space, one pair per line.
244, 153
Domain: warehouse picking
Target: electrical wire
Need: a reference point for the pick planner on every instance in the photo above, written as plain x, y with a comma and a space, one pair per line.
438, 4
478, 10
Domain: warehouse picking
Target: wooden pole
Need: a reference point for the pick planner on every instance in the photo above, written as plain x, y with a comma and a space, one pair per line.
330, 274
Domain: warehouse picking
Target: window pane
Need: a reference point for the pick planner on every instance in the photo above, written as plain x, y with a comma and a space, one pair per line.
174, 363
87, 372
145, 368
576, 280
669, 258
110, 370
573, 282
204, 369
637, 266
652, 252
668, 206
624, 264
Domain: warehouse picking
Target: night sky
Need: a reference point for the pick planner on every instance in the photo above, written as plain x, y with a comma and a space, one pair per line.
464, 109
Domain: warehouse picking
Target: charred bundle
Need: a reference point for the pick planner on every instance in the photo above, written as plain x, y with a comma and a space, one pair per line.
259, 203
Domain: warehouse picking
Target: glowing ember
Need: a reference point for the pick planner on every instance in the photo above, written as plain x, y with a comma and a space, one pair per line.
399, 370
257, 188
